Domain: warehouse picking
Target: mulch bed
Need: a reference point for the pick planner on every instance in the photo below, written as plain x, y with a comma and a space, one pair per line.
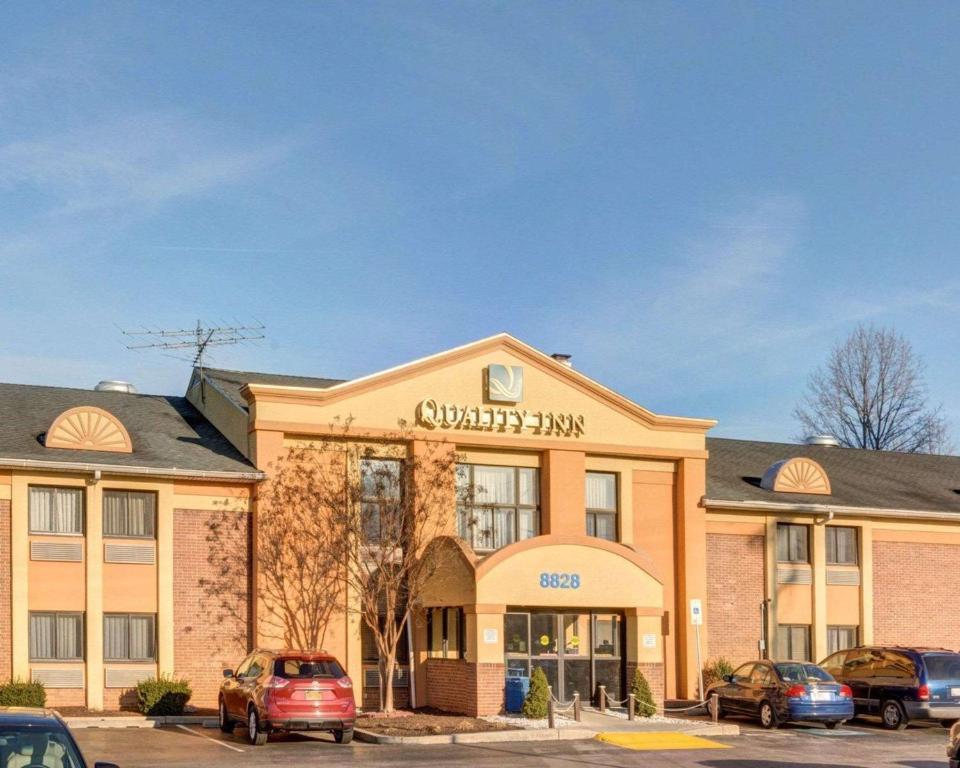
425, 722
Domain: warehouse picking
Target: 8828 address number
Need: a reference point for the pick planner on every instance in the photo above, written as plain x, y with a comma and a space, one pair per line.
560, 580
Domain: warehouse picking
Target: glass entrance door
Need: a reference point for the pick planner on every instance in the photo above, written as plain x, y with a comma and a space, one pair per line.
576, 651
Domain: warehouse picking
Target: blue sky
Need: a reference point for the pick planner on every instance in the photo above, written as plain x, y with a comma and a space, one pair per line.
695, 200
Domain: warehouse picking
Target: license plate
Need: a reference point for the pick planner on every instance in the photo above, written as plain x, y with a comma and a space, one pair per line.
314, 695
955, 693
821, 696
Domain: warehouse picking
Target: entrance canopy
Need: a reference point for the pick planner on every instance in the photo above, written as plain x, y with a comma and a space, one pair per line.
548, 571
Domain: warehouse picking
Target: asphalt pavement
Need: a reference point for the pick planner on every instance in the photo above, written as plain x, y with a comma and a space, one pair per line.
859, 744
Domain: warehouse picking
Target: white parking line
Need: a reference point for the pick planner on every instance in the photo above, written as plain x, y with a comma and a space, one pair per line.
204, 736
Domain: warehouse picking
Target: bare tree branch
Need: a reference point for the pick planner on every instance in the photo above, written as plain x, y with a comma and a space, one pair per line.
871, 394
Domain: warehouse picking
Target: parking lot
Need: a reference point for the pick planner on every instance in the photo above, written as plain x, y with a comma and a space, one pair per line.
861, 744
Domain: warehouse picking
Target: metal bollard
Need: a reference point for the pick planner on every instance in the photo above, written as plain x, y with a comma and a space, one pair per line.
714, 707
631, 706
603, 699
551, 715
576, 706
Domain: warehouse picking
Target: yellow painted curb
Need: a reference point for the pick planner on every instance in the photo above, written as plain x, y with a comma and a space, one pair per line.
658, 741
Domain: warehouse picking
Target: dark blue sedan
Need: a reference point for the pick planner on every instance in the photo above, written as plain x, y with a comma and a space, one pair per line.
782, 691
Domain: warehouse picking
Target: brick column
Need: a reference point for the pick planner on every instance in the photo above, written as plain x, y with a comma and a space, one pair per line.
691, 547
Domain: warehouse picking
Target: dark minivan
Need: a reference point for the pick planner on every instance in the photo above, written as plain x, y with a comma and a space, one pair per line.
900, 684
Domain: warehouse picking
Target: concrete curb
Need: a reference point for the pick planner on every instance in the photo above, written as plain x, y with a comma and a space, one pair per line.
137, 721
483, 737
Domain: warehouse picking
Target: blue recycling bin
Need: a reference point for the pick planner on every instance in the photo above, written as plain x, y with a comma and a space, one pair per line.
518, 686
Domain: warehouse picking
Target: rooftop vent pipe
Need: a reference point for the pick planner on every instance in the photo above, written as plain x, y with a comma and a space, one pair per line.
562, 359
114, 385
826, 440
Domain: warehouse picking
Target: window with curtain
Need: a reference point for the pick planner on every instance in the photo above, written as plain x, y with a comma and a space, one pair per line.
497, 506
380, 482
56, 636
841, 638
129, 514
55, 510
841, 545
793, 642
129, 637
601, 494
793, 543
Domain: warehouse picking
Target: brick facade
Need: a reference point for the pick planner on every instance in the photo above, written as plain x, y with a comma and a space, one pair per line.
913, 587
735, 589
454, 685
655, 677
66, 697
211, 610
120, 698
6, 607
370, 700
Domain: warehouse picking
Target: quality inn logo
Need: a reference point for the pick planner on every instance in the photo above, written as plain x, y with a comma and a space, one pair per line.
504, 383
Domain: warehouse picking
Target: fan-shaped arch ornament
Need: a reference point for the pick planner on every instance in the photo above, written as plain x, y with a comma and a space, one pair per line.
88, 429
796, 475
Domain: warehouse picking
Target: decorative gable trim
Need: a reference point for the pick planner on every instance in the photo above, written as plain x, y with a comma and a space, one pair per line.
796, 475
87, 428
311, 396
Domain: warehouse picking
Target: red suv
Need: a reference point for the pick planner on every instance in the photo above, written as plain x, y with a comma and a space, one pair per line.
288, 691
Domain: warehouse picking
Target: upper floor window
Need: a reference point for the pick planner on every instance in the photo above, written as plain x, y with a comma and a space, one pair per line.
841, 545
56, 510
129, 637
497, 506
602, 505
56, 636
129, 514
793, 545
381, 498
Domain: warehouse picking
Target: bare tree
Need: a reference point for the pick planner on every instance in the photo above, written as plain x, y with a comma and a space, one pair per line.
871, 394
344, 525
299, 580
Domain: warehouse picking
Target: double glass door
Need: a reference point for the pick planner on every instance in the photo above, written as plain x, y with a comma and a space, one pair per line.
576, 651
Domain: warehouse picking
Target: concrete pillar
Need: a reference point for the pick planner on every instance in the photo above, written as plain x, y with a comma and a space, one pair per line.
94, 617
563, 500
691, 547
819, 563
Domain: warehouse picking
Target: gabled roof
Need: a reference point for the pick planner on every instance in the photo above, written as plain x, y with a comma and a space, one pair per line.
858, 478
327, 390
230, 382
167, 433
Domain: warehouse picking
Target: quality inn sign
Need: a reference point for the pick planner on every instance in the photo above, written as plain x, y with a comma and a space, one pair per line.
504, 384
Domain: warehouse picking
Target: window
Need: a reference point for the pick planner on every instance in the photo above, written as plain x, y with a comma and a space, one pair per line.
129, 514
602, 505
380, 499
793, 543
834, 663
129, 637
446, 633
56, 636
497, 506
56, 510
793, 642
742, 675
307, 669
841, 545
841, 638
368, 645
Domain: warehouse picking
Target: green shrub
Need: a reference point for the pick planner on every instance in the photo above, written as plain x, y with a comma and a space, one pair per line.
643, 696
714, 671
535, 705
20, 693
163, 695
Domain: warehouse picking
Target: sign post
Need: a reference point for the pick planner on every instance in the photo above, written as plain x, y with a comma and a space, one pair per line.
696, 618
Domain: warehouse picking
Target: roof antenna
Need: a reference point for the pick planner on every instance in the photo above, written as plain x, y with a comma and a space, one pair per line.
197, 340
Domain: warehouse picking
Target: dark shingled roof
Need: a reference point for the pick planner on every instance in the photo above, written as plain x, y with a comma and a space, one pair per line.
230, 382
858, 478
167, 432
